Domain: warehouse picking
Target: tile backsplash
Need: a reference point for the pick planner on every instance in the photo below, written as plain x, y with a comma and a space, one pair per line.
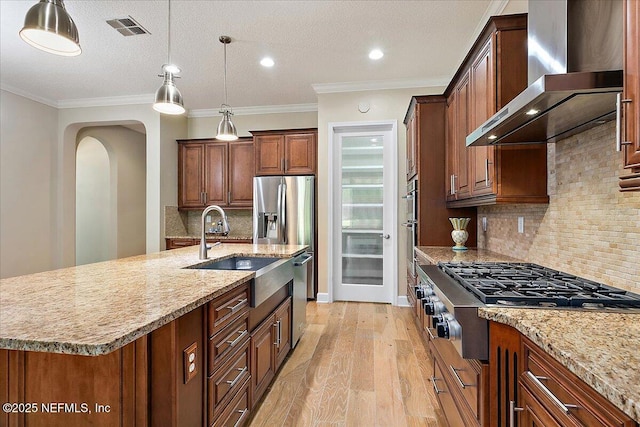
589, 228
187, 223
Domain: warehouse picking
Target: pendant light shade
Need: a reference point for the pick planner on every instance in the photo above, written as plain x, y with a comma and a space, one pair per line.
226, 129
48, 27
168, 97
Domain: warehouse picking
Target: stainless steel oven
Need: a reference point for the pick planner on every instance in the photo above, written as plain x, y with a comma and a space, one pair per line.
411, 224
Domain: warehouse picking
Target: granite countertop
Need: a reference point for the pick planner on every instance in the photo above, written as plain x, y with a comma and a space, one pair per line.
95, 309
600, 348
212, 236
437, 254
605, 357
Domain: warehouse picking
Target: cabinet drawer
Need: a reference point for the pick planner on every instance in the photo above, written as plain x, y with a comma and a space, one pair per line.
447, 404
227, 380
566, 397
460, 372
228, 308
236, 412
227, 341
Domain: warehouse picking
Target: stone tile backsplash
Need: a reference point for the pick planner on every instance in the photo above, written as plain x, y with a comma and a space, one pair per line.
187, 223
589, 228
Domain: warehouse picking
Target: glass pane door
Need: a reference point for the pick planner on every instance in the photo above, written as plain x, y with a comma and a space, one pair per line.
362, 209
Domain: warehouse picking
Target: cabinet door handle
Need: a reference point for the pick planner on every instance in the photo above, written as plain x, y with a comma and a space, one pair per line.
453, 184
282, 164
512, 413
237, 378
455, 374
234, 342
435, 386
619, 122
279, 323
564, 407
240, 303
228, 197
426, 328
486, 172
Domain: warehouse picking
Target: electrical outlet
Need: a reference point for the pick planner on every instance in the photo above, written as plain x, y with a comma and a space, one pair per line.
190, 362
520, 224
484, 224
208, 218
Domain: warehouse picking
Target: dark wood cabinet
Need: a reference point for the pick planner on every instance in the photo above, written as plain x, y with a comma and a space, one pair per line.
425, 122
631, 95
285, 152
411, 123
270, 344
211, 172
493, 73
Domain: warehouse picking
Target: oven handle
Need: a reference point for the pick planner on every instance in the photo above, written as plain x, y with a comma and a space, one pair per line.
410, 223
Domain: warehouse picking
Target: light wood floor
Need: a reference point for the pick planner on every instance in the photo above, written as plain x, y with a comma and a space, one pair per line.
357, 364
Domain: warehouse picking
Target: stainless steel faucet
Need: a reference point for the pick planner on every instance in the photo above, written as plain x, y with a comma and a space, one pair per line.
203, 237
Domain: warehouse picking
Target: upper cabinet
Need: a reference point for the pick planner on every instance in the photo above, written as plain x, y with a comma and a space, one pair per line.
212, 172
630, 132
493, 73
285, 152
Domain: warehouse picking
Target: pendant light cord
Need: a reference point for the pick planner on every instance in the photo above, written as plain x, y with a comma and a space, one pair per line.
225, 75
169, 34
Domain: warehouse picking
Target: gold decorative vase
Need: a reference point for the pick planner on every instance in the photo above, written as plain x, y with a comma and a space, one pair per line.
459, 233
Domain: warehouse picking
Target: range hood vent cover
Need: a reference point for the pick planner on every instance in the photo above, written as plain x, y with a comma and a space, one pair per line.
574, 73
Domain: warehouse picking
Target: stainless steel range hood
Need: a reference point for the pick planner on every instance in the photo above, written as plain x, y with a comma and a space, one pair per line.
574, 73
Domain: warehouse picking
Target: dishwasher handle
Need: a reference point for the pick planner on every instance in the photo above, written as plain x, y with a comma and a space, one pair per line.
298, 263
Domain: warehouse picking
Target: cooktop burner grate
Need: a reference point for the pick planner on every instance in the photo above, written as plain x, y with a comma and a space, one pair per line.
527, 284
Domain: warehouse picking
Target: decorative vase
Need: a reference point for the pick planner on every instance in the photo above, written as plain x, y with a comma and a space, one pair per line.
459, 233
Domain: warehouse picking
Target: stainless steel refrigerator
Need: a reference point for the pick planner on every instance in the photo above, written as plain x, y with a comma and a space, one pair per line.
283, 213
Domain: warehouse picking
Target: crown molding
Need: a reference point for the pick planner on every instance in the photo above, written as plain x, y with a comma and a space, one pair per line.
266, 109
108, 101
24, 94
378, 85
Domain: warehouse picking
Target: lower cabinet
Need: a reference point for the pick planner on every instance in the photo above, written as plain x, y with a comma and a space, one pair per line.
270, 344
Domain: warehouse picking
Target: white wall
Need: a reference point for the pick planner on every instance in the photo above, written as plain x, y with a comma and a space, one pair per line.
206, 127
94, 236
28, 134
343, 107
127, 155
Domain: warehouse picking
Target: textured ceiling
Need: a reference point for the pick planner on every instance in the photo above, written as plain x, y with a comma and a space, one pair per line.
312, 42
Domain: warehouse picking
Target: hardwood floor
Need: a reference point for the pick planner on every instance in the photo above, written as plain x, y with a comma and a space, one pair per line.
357, 364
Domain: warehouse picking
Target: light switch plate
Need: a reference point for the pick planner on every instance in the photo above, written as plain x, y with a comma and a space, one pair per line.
190, 362
521, 224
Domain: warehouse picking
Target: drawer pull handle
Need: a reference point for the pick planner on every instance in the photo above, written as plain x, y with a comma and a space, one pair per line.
564, 407
240, 303
455, 374
234, 342
435, 386
236, 379
431, 336
243, 412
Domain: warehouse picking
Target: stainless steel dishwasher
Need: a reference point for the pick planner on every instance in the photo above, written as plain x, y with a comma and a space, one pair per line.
302, 273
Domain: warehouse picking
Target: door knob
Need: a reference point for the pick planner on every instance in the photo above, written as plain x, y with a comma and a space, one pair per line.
385, 236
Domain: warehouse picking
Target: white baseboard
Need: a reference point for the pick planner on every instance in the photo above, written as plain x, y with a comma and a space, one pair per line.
402, 301
322, 298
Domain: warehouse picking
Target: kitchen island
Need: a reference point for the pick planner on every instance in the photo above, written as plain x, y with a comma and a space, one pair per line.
599, 348
90, 344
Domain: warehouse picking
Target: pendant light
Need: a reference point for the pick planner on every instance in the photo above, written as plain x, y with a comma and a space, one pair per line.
48, 27
168, 97
226, 128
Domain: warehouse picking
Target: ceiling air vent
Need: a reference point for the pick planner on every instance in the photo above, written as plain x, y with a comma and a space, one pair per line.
128, 26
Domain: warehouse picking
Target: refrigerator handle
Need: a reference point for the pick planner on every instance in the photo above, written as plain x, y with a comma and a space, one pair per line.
279, 212
283, 214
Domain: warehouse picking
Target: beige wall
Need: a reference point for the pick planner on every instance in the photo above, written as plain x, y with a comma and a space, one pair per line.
343, 107
127, 156
28, 134
589, 228
205, 127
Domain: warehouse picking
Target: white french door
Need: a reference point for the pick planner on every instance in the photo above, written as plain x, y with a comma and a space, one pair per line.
364, 189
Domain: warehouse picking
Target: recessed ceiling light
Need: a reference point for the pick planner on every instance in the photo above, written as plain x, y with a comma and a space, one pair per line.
267, 62
532, 112
492, 137
376, 54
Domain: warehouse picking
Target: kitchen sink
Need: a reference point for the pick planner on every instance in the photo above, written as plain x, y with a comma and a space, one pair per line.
238, 263
271, 273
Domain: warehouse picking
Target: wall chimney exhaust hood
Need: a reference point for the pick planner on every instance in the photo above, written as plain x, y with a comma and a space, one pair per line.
574, 73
